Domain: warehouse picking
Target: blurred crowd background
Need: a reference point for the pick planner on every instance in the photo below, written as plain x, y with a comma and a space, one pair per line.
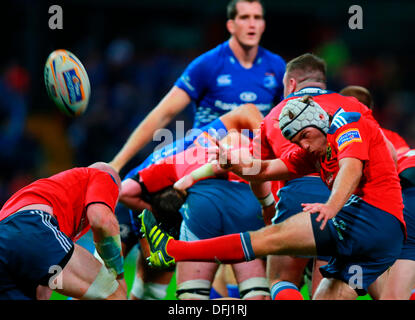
133, 52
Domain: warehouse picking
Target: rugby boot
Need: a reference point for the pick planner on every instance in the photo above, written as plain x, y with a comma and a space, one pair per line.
157, 240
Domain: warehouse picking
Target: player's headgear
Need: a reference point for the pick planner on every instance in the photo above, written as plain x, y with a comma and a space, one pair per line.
301, 113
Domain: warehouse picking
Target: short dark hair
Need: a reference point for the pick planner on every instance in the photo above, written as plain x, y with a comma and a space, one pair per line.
166, 204
232, 11
360, 93
307, 67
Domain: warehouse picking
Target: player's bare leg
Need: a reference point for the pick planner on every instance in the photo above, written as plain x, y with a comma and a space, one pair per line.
84, 277
333, 289
316, 275
286, 268
194, 279
252, 281
400, 281
149, 283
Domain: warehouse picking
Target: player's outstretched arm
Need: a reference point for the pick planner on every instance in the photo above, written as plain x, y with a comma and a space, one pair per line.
172, 104
208, 170
249, 168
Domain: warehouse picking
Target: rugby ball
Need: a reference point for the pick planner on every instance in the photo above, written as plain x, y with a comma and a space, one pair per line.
67, 82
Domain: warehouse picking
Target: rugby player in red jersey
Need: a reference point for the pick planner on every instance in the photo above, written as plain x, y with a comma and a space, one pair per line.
362, 226
305, 74
39, 225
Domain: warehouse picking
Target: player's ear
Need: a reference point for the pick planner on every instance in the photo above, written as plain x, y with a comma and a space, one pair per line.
292, 85
230, 25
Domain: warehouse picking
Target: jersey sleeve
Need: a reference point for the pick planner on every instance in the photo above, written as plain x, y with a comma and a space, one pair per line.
352, 141
102, 189
195, 78
159, 175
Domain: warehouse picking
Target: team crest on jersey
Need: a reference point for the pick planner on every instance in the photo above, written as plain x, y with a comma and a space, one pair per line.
347, 137
269, 80
224, 80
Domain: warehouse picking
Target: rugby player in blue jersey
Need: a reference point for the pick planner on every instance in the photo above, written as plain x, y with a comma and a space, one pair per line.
236, 72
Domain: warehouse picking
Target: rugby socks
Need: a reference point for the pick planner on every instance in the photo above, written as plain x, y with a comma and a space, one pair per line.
284, 290
225, 249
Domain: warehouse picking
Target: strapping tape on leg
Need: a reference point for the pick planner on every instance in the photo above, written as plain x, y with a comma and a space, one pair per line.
103, 286
149, 290
197, 289
257, 286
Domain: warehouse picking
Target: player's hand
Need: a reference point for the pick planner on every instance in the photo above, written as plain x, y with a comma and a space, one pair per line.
223, 155
230, 159
184, 183
325, 212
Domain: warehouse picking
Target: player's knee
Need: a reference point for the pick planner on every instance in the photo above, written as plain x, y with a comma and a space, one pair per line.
103, 286
148, 291
197, 289
254, 288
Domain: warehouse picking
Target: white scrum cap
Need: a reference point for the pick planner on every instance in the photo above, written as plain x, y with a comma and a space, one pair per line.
300, 113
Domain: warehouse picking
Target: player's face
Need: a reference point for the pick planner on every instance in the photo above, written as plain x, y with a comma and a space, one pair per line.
249, 24
312, 140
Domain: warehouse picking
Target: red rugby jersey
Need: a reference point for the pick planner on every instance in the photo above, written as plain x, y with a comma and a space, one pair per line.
356, 137
406, 156
269, 143
68, 193
398, 142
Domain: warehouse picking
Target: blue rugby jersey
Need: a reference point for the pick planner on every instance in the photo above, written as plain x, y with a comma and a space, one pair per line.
217, 83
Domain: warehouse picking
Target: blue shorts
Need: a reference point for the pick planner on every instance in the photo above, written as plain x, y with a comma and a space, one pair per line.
32, 248
216, 207
408, 249
363, 242
298, 191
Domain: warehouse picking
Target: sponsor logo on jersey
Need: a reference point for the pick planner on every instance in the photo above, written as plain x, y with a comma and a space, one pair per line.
347, 137
248, 96
224, 80
230, 106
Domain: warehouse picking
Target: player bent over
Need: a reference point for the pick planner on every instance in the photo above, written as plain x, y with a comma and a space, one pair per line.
362, 226
39, 225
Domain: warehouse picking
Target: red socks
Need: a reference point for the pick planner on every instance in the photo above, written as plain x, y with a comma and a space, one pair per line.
226, 249
284, 290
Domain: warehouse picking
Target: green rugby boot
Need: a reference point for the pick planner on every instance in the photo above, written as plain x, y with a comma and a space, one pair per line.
157, 240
